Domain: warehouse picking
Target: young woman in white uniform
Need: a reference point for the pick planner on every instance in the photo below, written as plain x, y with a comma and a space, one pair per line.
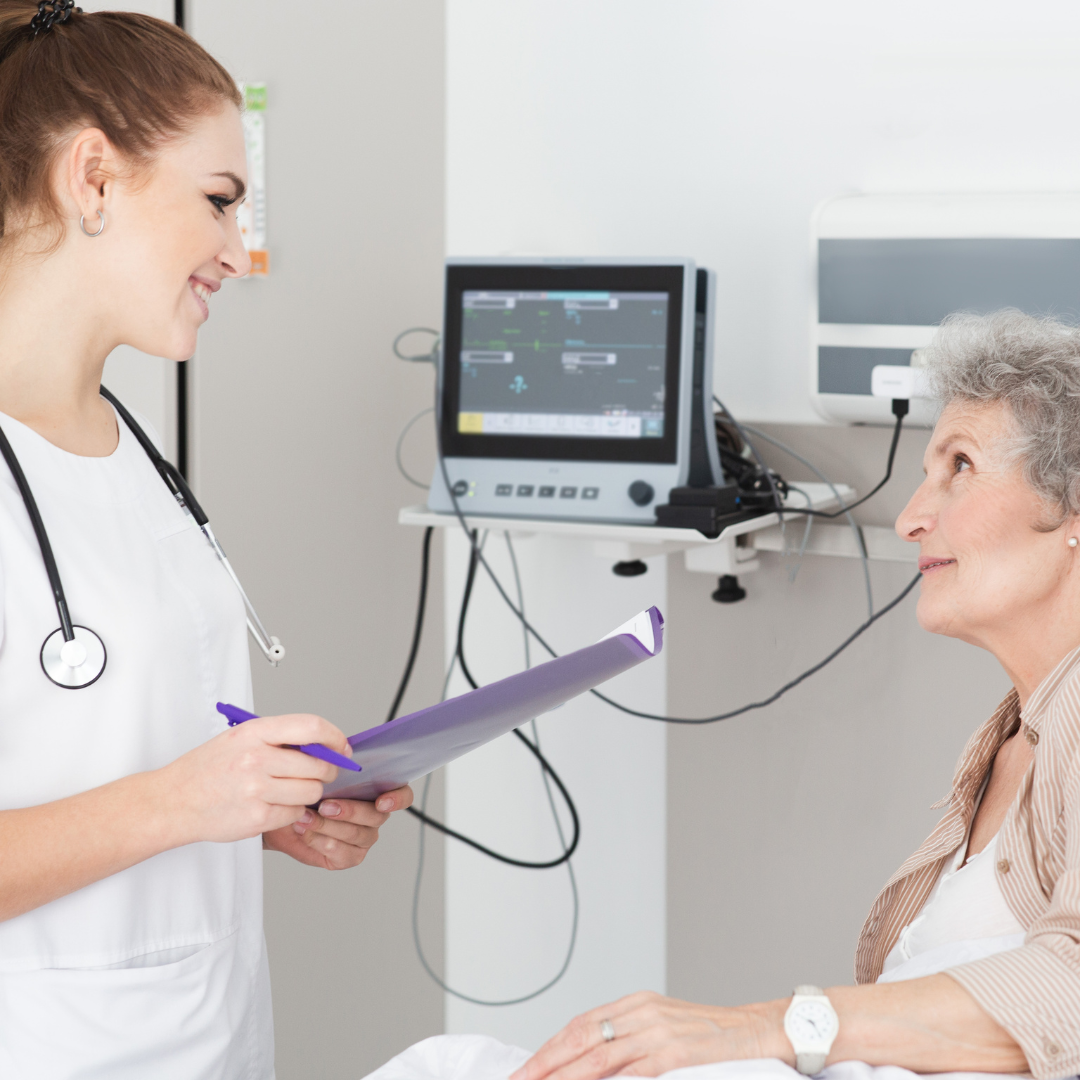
131, 819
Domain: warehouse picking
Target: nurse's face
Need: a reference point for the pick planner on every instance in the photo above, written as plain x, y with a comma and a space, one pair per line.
171, 238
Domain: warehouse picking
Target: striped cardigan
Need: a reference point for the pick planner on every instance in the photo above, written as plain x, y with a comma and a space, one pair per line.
1033, 991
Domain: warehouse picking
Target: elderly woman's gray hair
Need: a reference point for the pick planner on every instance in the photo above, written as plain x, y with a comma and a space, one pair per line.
1032, 365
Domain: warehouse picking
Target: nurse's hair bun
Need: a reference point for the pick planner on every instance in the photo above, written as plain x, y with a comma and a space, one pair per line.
142, 81
51, 12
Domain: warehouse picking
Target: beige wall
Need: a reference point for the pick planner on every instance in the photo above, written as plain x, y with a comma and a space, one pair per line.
783, 824
298, 403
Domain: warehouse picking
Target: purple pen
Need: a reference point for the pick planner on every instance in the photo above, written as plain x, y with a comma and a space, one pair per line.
237, 715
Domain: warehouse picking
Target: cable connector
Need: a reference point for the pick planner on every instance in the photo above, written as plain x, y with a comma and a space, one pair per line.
900, 407
901, 383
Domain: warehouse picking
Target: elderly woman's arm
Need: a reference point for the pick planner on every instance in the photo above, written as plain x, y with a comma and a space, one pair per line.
926, 1025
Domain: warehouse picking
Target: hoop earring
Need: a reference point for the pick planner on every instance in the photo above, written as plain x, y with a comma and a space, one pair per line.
101, 227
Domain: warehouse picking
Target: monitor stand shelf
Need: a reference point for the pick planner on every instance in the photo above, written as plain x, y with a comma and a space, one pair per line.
734, 551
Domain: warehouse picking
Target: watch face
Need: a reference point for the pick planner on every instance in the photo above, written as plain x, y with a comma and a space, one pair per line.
811, 1022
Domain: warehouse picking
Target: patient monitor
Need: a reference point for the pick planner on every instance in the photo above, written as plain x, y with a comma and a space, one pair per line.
574, 388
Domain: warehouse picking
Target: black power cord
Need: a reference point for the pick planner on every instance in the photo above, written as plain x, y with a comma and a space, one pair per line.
459, 656
418, 629
424, 819
783, 689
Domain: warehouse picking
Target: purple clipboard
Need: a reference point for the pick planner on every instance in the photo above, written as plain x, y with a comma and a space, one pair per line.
412, 746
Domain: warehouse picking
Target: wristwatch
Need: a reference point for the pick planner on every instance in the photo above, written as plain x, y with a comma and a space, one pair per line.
811, 1024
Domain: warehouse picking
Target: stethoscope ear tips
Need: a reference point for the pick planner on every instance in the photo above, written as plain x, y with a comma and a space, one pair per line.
276, 653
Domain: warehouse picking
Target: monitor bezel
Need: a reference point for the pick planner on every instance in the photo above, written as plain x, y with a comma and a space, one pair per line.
613, 277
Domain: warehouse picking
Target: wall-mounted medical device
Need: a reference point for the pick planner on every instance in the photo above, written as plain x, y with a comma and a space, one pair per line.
574, 388
889, 268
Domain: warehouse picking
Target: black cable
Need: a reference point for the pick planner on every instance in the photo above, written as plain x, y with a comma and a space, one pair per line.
783, 689
479, 557
770, 479
418, 629
900, 408
474, 557
562, 840
654, 716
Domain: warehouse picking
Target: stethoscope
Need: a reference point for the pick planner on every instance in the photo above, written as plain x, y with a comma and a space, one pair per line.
73, 656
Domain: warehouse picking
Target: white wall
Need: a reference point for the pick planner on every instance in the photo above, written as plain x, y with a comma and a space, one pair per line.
711, 128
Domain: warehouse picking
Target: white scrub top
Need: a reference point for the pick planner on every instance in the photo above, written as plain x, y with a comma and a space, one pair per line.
159, 971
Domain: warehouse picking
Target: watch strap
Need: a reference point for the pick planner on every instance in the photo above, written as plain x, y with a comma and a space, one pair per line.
810, 1064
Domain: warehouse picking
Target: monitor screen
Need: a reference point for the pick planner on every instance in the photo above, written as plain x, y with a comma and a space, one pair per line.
560, 363
553, 362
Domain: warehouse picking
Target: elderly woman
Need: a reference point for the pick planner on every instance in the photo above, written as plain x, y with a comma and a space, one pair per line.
970, 957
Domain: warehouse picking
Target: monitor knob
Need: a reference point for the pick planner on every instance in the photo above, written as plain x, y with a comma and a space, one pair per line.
641, 493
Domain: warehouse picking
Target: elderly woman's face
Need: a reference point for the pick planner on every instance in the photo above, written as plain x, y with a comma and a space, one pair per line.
986, 567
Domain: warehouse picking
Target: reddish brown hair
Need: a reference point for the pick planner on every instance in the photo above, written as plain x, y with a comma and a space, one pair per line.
140, 80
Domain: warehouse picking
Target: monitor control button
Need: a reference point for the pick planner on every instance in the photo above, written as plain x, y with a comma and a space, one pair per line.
546, 492
568, 493
504, 489
525, 490
461, 487
590, 493
641, 493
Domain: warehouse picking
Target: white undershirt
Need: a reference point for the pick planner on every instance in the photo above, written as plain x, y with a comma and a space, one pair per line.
965, 917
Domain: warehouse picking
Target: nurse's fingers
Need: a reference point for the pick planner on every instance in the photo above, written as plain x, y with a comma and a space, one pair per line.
297, 728
353, 811
357, 835
337, 854
399, 799
292, 794
286, 763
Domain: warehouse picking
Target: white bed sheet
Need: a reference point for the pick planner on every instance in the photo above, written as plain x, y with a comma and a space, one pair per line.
478, 1057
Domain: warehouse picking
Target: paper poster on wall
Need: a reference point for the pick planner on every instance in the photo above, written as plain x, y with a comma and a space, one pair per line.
251, 216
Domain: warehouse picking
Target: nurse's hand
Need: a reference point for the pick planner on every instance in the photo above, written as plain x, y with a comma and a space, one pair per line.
247, 781
340, 834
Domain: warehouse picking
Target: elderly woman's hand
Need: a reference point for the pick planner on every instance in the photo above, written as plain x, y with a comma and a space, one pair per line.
340, 834
655, 1034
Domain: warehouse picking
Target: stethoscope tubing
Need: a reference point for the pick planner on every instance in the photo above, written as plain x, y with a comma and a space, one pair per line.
177, 485
175, 482
42, 536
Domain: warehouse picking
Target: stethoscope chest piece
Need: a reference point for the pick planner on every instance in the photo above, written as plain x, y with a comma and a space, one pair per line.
76, 663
